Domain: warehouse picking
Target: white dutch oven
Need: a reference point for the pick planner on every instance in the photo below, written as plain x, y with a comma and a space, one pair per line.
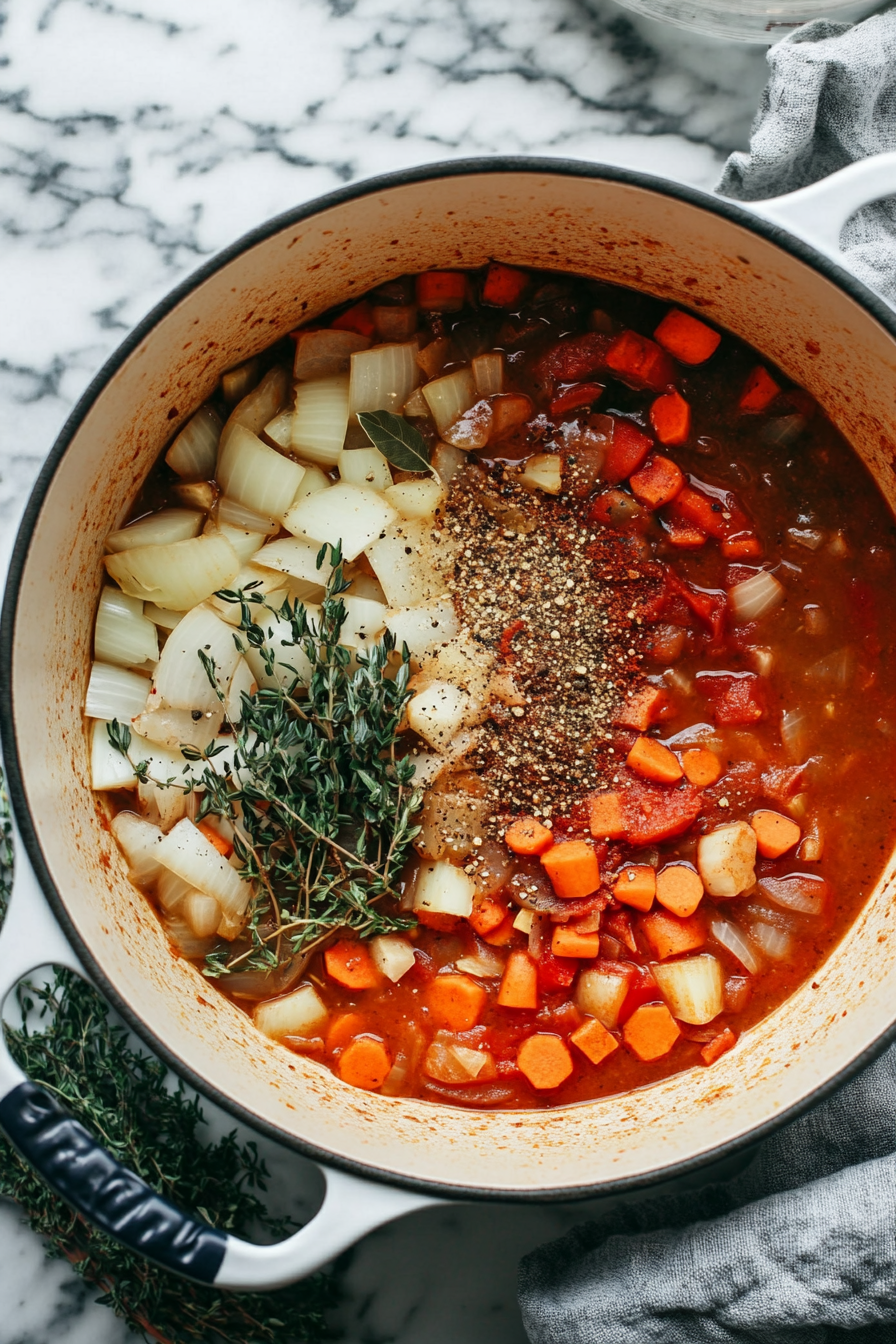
770, 275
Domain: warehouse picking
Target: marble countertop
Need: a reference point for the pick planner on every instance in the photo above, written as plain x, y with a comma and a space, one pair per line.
137, 137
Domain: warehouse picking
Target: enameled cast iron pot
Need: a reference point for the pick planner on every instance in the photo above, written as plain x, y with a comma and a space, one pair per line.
770, 275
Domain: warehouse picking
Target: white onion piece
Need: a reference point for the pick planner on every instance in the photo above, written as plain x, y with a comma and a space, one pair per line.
775, 943
798, 892
416, 499
447, 461
108, 768
726, 858
122, 633
543, 472
321, 354
383, 378
488, 374
178, 576
350, 514
244, 543
392, 956
290, 658
601, 994
183, 937
438, 712
444, 890
485, 963
692, 987
424, 626
296, 1014
258, 476
756, 596
737, 943
364, 466
235, 514
160, 616
235, 383
180, 680
113, 693
157, 529
365, 621
448, 397
171, 889
320, 420
448, 1062
138, 840
298, 558
403, 562
202, 913
186, 852
258, 407
312, 482
241, 683
176, 728
266, 583
194, 452
796, 733
835, 670
279, 431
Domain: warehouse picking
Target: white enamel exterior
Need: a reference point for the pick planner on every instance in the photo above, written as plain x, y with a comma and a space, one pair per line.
624, 233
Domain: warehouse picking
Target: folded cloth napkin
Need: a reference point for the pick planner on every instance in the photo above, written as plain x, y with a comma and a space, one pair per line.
800, 1248
831, 99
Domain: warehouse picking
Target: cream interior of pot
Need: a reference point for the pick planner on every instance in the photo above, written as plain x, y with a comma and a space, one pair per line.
625, 234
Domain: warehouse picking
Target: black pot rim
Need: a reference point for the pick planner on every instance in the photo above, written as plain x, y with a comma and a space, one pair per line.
727, 209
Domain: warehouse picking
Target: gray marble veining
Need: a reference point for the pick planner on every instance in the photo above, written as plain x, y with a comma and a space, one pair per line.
139, 136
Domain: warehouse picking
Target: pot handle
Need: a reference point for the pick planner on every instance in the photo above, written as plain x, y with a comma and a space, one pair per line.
118, 1201
817, 213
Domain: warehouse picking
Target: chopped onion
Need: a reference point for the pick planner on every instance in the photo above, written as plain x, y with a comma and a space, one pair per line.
178, 576
199, 495
835, 670
523, 921
815, 620
241, 683
297, 1014
763, 660
235, 383
186, 852
123, 634
438, 711
365, 466
351, 514
775, 943
449, 1062
138, 840
171, 889
164, 619
416, 499
234, 514
258, 476
447, 461
812, 538
320, 419
202, 913
296, 557
735, 940
797, 891
488, 374
449, 824
244, 543
601, 994
383, 378
692, 987
462, 661
113, 693
443, 889
448, 397
312, 482
392, 956
415, 408
176, 728
473, 430
279, 431
194, 452
180, 680
365, 621
266, 583
485, 963
184, 939
321, 354
157, 529
258, 407
543, 472
796, 732
782, 430
726, 858
424, 626
756, 596
403, 565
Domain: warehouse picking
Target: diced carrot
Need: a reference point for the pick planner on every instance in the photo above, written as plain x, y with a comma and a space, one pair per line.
431, 919
689, 340
774, 834
702, 767
759, 392
224, 847
651, 1031
488, 913
668, 935
441, 291
657, 482
628, 449
594, 1041
568, 942
607, 820
643, 708
365, 1063
718, 1046
679, 889
683, 536
503, 285
573, 868
636, 886
722, 518
638, 360
526, 835
358, 318
343, 1029
670, 416
742, 548
651, 760
455, 1001
654, 812
349, 963
519, 983
735, 697
503, 934
544, 1060
574, 398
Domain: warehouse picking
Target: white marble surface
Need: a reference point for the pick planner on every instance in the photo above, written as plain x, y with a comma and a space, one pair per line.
139, 136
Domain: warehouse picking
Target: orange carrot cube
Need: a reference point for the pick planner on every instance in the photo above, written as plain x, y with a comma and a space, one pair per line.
679, 889
774, 834
607, 818
488, 913
568, 942
718, 1046
594, 1041
349, 963
519, 983
526, 835
651, 1031
442, 291
652, 760
701, 767
573, 869
636, 886
668, 935
455, 1001
503, 285
685, 337
365, 1063
670, 416
643, 708
544, 1060
759, 392
658, 482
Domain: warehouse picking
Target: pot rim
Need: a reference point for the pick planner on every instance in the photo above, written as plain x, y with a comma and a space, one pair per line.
727, 209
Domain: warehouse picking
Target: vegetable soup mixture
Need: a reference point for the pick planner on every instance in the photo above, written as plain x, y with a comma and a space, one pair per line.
493, 689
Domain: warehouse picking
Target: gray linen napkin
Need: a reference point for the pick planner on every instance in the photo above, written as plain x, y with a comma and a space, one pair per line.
800, 1248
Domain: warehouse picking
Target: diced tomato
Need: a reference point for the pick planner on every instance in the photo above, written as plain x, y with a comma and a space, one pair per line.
655, 812
719, 514
642, 988
442, 291
628, 449
709, 607
683, 536
358, 318
572, 359
574, 398
639, 361
555, 973
619, 924
503, 285
735, 697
